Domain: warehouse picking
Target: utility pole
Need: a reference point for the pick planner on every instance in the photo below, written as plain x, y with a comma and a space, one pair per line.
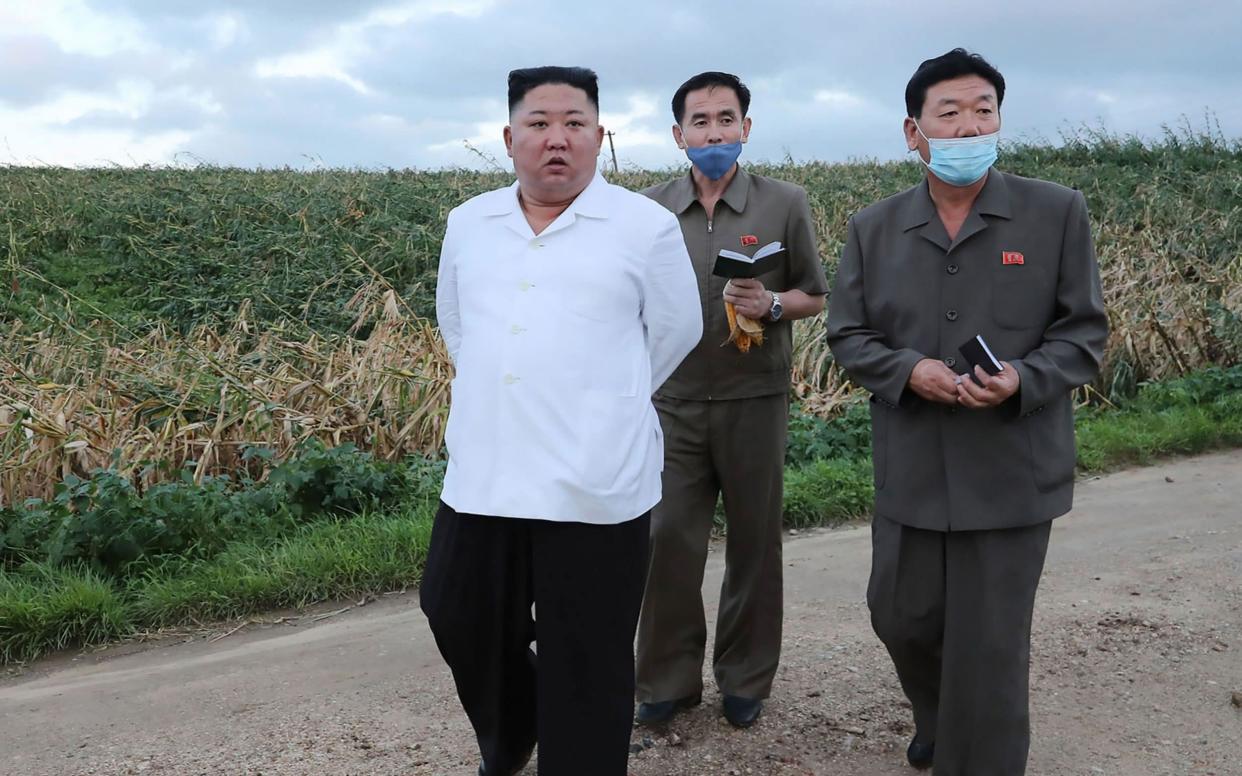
612, 148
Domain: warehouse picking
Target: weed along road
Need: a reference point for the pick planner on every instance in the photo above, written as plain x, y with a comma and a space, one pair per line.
1137, 669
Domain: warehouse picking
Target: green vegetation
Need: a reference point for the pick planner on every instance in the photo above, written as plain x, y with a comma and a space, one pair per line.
44, 608
107, 524
1198, 412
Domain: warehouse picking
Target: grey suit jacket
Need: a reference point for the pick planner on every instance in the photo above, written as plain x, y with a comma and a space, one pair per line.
1022, 272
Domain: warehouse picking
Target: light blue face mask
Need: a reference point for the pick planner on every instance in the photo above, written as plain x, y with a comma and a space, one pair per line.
715, 160
960, 161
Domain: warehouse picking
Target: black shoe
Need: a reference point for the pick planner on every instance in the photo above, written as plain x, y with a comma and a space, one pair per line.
483, 771
919, 754
741, 712
660, 712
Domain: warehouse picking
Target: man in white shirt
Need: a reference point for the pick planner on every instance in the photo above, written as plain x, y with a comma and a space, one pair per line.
565, 302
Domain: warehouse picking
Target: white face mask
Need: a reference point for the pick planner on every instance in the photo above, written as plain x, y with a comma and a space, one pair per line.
960, 161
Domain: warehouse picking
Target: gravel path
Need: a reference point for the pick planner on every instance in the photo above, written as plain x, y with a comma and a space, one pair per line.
1137, 659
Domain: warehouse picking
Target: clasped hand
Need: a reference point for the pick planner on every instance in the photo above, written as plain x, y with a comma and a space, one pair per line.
934, 381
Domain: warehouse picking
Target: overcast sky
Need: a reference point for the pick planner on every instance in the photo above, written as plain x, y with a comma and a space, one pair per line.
409, 83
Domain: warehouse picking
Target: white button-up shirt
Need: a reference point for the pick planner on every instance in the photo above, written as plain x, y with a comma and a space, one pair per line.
559, 339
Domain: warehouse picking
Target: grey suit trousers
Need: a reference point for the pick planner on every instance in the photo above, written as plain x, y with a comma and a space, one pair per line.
734, 448
954, 610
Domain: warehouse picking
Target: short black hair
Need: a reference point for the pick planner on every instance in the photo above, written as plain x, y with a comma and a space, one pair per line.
523, 80
707, 80
955, 64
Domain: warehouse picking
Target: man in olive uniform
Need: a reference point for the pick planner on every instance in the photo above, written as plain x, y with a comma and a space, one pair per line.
968, 475
724, 413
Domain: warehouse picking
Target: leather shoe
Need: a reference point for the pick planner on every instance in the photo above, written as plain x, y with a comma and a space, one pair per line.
485, 771
741, 712
660, 712
920, 754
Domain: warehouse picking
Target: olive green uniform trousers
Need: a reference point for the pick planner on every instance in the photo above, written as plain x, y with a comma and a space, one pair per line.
732, 448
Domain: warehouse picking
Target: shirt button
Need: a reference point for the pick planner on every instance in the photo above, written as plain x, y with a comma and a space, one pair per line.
951, 315
515, 329
952, 269
510, 379
950, 362
526, 285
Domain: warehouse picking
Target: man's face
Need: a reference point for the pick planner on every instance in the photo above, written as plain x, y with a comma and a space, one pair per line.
960, 107
554, 137
713, 116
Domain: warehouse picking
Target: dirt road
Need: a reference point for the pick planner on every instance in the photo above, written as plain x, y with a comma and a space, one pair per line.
1137, 654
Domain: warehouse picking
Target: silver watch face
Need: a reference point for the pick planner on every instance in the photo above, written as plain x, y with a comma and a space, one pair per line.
777, 308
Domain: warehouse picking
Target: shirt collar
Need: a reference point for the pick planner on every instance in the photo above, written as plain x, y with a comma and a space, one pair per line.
590, 202
593, 201
684, 194
993, 200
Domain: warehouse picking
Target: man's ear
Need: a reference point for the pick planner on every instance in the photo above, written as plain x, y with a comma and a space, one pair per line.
678, 137
745, 129
509, 141
911, 131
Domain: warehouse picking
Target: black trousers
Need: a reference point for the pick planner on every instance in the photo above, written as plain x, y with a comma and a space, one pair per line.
575, 698
954, 610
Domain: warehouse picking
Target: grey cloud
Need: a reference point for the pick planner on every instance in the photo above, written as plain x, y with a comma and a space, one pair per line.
442, 76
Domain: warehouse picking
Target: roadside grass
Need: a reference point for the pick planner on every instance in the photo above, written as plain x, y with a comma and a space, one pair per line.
828, 492
1108, 441
45, 608
334, 559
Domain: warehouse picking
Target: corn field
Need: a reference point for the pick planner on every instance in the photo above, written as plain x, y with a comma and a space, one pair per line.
71, 402
159, 319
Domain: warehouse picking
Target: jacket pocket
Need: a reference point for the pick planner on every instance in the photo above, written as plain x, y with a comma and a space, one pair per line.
1051, 433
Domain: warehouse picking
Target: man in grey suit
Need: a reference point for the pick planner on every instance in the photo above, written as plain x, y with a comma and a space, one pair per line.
970, 468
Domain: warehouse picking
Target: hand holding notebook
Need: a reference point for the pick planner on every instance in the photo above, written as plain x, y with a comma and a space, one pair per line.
731, 264
977, 353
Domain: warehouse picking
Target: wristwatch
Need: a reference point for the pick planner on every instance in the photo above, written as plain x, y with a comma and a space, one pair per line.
777, 310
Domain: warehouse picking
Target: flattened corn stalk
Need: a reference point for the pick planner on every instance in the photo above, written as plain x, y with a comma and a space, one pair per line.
70, 403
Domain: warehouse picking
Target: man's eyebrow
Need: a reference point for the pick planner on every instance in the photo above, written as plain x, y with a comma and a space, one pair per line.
955, 100
702, 114
570, 112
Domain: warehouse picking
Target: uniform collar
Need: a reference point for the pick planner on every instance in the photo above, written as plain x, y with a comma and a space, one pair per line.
684, 194
993, 200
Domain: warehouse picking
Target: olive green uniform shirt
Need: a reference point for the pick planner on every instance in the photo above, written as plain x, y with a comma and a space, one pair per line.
754, 211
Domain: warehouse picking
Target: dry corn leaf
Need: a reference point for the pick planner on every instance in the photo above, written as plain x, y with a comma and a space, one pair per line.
743, 331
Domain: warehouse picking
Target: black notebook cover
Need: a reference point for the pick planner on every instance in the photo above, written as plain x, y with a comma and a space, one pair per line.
736, 265
977, 353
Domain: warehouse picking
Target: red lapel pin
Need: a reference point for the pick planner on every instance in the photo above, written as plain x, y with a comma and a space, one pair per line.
749, 239
1012, 257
